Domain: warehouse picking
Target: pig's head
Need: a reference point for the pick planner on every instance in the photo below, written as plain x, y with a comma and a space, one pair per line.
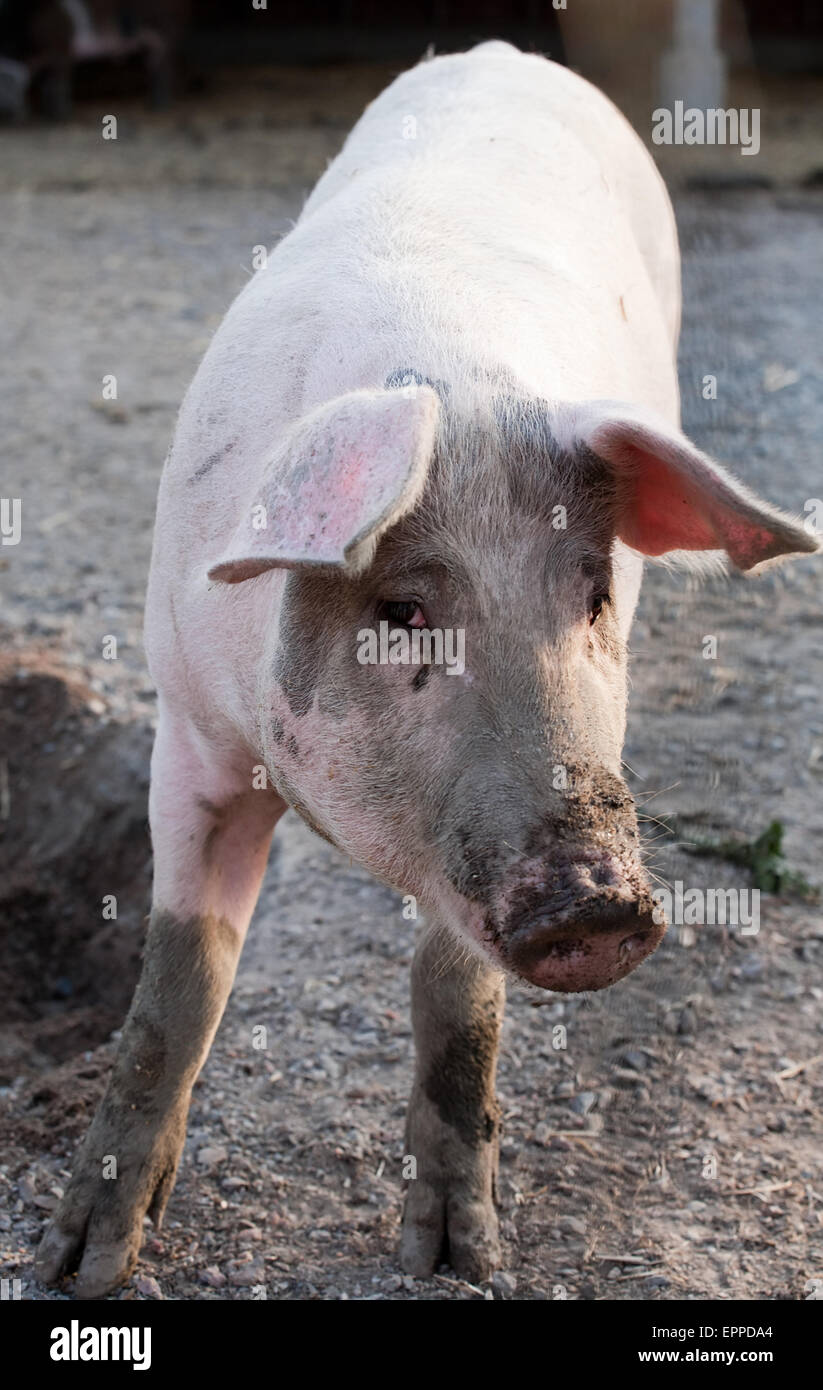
486, 777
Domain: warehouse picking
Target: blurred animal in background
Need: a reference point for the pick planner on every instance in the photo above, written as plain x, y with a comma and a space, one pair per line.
47, 46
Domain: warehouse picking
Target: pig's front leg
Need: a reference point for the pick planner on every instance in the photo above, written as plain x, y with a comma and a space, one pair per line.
211, 833
453, 1127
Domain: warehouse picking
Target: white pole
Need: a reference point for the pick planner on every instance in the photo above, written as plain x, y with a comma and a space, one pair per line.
693, 70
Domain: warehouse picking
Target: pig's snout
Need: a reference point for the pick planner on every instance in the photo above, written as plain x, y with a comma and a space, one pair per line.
591, 926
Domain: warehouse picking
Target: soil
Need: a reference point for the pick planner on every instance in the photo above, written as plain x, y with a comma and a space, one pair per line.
672, 1148
67, 973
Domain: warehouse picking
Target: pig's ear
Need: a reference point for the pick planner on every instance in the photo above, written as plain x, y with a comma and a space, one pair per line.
673, 497
335, 483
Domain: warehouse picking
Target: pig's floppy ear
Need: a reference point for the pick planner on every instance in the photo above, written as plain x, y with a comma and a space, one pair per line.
338, 479
673, 497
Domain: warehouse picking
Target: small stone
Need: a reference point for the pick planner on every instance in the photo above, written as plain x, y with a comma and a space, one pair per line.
638, 1061
212, 1277
583, 1102
687, 1022
752, 967
572, 1225
504, 1284
212, 1154
243, 1275
148, 1286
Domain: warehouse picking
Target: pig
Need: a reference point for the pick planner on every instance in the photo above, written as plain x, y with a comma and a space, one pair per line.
448, 402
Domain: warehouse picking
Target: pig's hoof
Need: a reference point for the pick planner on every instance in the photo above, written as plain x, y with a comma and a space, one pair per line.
104, 1262
97, 1228
447, 1225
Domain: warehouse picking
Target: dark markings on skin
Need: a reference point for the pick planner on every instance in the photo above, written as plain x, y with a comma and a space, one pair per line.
458, 1081
292, 746
407, 376
333, 701
419, 681
208, 464
277, 731
308, 633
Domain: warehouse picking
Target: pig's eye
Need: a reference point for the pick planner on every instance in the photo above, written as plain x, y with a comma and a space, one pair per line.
402, 612
596, 607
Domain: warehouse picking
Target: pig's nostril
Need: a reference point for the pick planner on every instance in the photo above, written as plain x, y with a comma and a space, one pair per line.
583, 874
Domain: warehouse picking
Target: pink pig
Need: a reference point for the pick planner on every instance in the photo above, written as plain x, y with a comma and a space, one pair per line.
449, 402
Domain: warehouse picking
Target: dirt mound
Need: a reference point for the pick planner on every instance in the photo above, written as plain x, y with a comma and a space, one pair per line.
74, 851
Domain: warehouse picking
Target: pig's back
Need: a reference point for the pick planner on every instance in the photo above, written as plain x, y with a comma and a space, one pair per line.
507, 143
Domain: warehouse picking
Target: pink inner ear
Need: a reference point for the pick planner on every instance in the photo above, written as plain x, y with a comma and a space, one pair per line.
329, 505
663, 510
672, 497
338, 479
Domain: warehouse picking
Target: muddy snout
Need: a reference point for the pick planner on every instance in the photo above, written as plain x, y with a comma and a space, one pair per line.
591, 926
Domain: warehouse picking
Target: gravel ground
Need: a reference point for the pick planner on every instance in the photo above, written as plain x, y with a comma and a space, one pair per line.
672, 1149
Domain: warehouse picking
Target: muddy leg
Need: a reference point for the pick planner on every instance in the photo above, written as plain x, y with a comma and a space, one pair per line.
211, 834
453, 1127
